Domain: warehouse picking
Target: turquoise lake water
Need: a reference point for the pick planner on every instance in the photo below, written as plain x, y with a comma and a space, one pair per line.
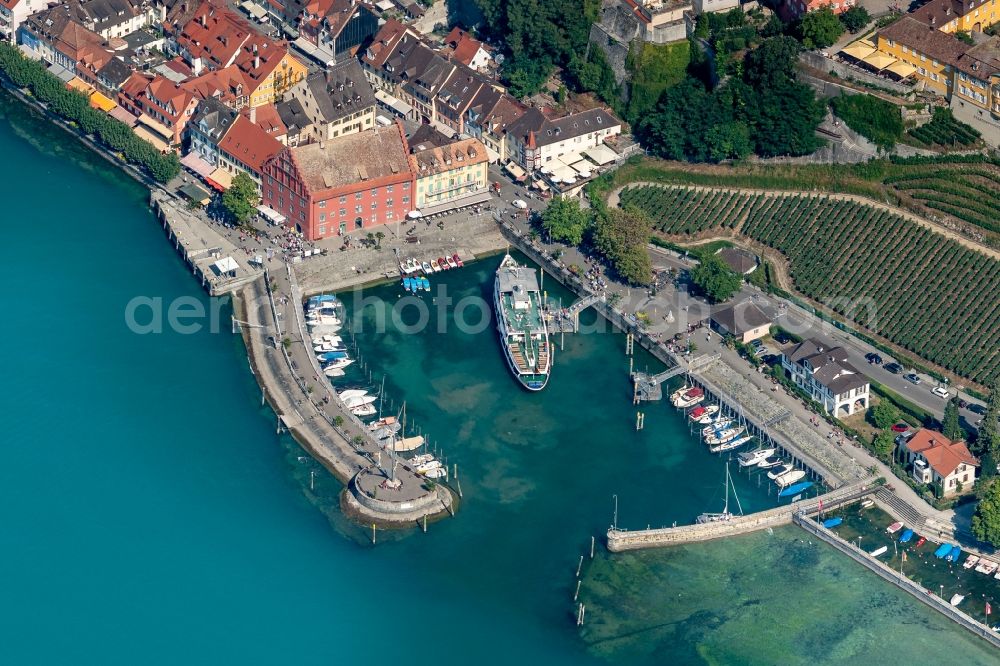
153, 516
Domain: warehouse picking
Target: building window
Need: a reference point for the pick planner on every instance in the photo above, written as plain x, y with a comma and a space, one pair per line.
357, 196
358, 223
375, 192
343, 199
406, 200
322, 204
322, 230
374, 205
357, 209
388, 202
406, 186
343, 212
322, 217
388, 189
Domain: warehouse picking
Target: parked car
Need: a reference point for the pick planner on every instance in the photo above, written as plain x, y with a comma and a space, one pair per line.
912, 377
873, 358
941, 392
961, 403
894, 368
976, 408
901, 427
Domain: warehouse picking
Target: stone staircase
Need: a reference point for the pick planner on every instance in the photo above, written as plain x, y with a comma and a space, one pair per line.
901, 509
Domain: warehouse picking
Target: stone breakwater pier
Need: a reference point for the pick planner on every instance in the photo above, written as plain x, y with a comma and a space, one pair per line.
379, 489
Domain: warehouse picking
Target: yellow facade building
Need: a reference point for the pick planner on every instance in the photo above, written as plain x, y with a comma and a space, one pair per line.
953, 16
449, 176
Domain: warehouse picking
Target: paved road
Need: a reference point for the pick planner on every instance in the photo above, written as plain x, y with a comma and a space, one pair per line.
793, 318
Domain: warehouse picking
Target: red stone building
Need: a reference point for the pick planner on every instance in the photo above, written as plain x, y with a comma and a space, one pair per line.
347, 183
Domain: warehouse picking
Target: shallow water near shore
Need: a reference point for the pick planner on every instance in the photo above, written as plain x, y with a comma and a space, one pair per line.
153, 516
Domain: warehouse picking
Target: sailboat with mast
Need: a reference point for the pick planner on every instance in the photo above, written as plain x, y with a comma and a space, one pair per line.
726, 515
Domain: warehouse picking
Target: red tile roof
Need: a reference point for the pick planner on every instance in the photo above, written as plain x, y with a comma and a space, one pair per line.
225, 85
249, 144
215, 35
363, 157
943, 455
266, 117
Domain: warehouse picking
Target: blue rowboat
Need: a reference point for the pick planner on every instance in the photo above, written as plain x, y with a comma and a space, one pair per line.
830, 523
795, 489
408, 283
332, 356
943, 550
906, 536
955, 553
425, 283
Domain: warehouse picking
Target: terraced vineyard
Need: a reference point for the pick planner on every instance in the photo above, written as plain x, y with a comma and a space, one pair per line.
916, 288
944, 130
972, 196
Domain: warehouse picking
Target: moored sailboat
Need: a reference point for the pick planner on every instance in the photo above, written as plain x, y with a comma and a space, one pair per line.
725, 515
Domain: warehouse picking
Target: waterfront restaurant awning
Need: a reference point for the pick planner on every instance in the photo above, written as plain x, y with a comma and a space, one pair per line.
156, 126
99, 101
61, 73
220, 179
225, 265
118, 113
515, 170
254, 10
149, 136
194, 193
80, 85
197, 164
271, 215
858, 50
901, 69
601, 154
879, 60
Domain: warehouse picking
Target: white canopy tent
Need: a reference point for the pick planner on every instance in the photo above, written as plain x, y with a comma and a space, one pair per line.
225, 265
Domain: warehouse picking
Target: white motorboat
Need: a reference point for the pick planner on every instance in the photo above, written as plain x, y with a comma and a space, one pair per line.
679, 392
451, 262
426, 268
339, 363
331, 371
328, 340
436, 473
359, 401
723, 436
755, 457
970, 561
423, 468
956, 599
879, 551
328, 347
703, 413
352, 393
725, 515
689, 398
770, 461
716, 426
389, 422
364, 410
788, 478
730, 445
778, 471
420, 459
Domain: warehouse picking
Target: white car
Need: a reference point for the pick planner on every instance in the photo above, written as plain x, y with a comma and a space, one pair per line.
519, 203
941, 392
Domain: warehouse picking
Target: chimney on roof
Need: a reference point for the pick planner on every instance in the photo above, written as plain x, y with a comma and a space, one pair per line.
204, 20
253, 114
256, 62
255, 48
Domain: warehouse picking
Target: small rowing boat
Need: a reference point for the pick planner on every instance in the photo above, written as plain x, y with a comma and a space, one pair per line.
906, 536
942, 550
970, 561
921, 541
956, 599
895, 527
830, 523
457, 260
879, 551
451, 262
954, 554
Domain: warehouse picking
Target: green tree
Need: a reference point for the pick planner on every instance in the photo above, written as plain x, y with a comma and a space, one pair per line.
378, 238
715, 279
621, 235
986, 520
874, 118
950, 425
855, 18
565, 221
884, 414
988, 439
820, 28
884, 444
241, 199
